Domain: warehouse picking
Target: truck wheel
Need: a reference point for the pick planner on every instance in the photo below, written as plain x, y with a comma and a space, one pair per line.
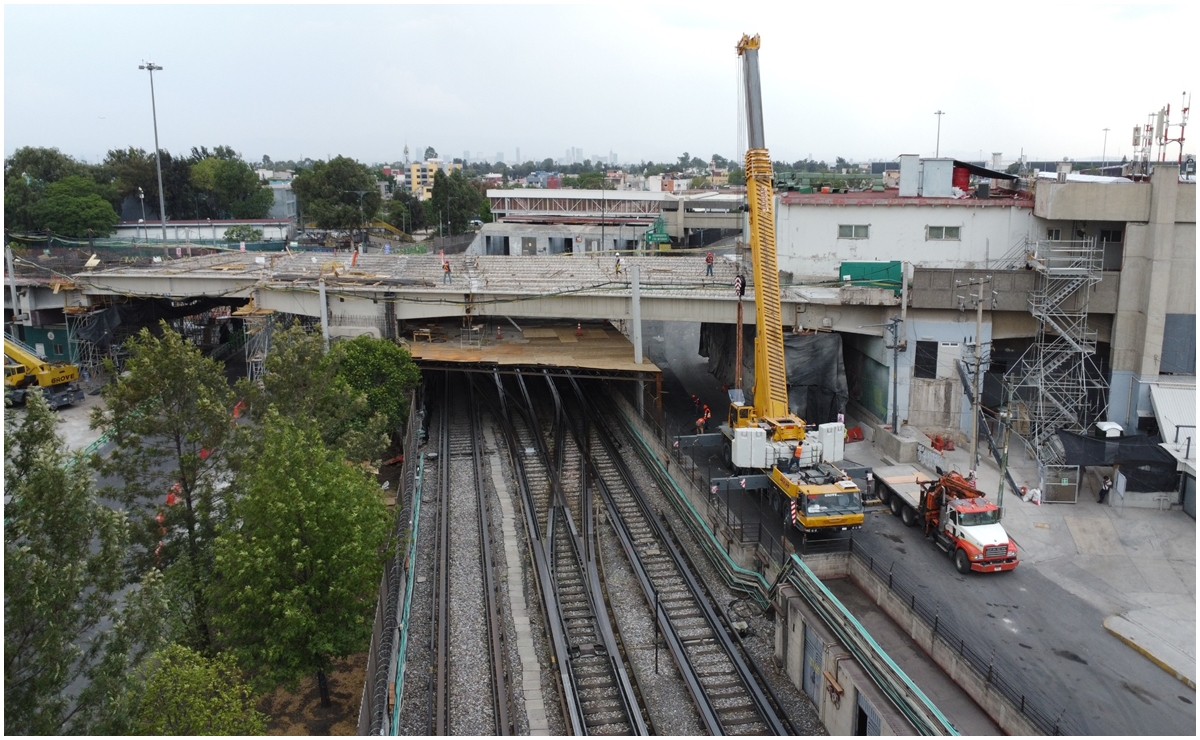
908, 516
884, 495
961, 562
895, 505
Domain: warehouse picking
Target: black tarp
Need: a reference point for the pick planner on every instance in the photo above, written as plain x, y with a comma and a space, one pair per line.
1145, 465
816, 373
146, 313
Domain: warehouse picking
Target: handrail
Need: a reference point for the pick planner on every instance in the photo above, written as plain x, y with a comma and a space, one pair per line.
410, 579
894, 682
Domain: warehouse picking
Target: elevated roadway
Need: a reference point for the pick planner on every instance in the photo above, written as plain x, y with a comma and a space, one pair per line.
374, 288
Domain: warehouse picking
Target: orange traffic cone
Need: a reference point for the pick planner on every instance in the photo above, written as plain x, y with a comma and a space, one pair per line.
498, 333
579, 329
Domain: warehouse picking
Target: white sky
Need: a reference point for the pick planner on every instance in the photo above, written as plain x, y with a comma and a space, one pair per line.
645, 80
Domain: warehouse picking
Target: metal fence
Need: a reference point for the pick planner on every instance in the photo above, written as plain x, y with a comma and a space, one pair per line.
384, 653
1000, 673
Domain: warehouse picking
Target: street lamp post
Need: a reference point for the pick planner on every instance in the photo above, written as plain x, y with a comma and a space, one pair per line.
1104, 155
151, 67
142, 198
938, 151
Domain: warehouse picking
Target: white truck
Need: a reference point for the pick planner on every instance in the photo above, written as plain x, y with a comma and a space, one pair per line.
959, 519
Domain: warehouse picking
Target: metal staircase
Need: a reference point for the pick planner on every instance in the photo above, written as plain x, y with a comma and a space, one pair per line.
1060, 376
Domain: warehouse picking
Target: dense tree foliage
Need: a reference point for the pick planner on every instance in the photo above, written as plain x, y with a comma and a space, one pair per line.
454, 201
329, 194
63, 618
295, 579
230, 188
302, 382
76, 206
181, 692
243, 233
169, 415
383, 370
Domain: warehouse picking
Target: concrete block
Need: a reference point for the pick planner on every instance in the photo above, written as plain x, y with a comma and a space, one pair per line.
900, 449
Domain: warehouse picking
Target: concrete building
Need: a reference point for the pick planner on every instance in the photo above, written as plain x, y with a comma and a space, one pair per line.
420, 175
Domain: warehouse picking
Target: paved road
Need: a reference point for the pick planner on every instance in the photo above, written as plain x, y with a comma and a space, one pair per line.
1044, 636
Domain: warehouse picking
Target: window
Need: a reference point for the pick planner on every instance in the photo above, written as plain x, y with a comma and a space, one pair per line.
941, 233
926, 362
1054, 234
853, 231
1110, 235
58, 350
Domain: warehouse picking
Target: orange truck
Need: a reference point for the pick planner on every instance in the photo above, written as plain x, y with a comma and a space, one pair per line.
957, 517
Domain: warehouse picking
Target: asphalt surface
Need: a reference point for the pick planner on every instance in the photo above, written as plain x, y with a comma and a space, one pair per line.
1046, 639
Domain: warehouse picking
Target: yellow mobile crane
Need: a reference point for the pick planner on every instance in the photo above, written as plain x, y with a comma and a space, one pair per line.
764, 435
24, 372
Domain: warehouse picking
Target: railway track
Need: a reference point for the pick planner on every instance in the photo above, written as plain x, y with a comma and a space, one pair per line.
597, 691
727, 695
466, 616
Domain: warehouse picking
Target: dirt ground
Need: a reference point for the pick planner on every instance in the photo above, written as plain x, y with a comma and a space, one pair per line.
300, 712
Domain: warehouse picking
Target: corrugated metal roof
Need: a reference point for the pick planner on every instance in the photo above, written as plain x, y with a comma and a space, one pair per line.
1175, 409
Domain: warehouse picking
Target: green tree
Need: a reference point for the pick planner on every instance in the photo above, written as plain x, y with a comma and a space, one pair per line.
296, 578
430, 153
45, 164
184, 693
396, 213
454, 201
62, 574
415, 210
169, 415
21, 196
72, 207
329, 194
302, 382
737, 176
243, 233
383, 370
698, 182
720, 162
231, 188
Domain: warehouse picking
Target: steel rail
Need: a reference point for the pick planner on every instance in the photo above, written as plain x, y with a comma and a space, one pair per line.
554, 623
575, 549
761, 703
501, 689
440, 705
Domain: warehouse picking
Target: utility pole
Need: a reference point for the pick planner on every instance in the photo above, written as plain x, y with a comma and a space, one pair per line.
1009, 388
975, 406
938, 151
151, 67
1104, 155
894, 328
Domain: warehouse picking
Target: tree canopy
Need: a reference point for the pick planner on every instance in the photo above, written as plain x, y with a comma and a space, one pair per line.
185, 693
454, 201
230, 188
62, 574
383, 370
295, 580
75, 207
169, 414
329, 194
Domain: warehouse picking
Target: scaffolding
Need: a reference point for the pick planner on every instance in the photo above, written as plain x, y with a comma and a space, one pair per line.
1058, 379
259, 325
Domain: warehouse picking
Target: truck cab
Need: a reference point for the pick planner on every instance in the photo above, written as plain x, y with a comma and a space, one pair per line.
969, 530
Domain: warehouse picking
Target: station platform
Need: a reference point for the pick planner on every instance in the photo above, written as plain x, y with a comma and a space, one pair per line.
595, 349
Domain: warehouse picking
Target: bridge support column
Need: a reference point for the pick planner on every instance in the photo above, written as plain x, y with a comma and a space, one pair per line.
324, 314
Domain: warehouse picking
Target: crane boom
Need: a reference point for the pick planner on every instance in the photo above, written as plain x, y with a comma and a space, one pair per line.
770, 372
765, 434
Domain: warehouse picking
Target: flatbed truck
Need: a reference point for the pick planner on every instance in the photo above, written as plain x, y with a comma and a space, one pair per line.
959, 519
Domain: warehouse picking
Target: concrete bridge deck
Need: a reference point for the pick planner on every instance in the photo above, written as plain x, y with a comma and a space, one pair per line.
574, 287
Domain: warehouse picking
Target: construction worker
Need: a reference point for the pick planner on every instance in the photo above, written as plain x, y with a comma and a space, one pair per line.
795, 466
708, 263
700, 425
446, 272
618, 265
696, 403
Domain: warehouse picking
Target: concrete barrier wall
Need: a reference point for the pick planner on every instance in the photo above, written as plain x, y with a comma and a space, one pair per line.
945, 655
899, 449
837, 700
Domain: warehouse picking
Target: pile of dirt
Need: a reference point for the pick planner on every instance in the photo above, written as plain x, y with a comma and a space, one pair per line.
300, 712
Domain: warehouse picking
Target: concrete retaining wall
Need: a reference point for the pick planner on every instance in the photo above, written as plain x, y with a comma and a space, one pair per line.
947, 657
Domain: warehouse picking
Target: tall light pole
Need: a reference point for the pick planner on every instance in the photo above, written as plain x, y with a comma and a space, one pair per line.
938, 151
142, 199
162, 203
978, 380
1104, 156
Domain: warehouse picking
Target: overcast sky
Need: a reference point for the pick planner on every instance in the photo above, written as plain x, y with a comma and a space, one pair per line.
647, 81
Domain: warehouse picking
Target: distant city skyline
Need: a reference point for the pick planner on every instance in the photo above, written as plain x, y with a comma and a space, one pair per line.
647, 81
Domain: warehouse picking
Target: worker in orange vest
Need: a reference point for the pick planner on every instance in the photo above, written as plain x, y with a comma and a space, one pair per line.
795, 466
708, 262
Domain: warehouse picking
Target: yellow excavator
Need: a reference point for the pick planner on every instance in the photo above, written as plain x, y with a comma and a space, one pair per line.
765, 434
25, 372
